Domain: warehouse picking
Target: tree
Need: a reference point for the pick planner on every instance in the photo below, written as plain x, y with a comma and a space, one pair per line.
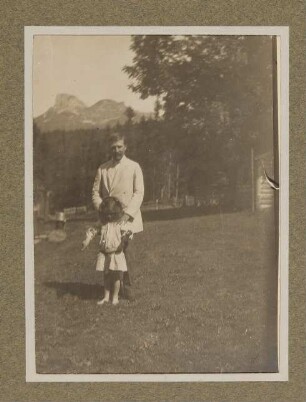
215, 93
130, 114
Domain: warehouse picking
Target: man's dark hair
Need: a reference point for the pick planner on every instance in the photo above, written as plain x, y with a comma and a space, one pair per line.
114, 137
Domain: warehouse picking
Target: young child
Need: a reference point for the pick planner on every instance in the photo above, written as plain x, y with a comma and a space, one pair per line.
113, 239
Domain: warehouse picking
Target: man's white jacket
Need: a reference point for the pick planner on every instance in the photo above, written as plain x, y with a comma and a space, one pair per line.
126, 185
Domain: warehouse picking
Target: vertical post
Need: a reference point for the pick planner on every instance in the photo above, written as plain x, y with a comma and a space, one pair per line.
153, 184
169, 177
275, 71
275, 274
177, 183
253, 179
47, 205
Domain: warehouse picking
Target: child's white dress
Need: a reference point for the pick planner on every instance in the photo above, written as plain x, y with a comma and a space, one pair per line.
111, 234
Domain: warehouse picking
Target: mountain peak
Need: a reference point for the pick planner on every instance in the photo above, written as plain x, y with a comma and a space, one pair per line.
69, 113
108, 102
68, 103
108, 106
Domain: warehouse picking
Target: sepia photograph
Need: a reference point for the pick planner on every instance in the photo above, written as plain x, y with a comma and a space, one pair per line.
154, 209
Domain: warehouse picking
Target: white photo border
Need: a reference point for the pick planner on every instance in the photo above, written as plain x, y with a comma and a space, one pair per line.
282, 33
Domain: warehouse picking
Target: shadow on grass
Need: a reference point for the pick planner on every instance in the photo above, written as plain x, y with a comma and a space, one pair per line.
83, 291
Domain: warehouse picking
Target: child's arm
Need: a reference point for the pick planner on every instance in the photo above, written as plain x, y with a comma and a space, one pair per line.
126, 235
90, 234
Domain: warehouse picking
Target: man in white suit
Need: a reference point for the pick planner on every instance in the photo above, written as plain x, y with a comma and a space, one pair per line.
122, 178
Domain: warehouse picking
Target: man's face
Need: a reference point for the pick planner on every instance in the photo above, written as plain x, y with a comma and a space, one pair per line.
118, 149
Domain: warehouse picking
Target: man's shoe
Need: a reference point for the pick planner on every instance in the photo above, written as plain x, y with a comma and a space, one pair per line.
128, 294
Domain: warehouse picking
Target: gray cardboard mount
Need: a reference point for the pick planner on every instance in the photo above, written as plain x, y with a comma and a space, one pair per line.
17, 14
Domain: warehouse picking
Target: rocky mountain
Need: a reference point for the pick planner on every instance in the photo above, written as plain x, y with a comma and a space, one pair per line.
69, 113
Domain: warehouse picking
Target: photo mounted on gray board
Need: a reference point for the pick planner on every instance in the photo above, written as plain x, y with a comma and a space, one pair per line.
155, 161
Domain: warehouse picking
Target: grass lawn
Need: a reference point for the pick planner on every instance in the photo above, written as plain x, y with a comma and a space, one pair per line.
205, 292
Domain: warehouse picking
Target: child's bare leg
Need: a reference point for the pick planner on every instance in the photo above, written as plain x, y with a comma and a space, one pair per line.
116, 291
106, 290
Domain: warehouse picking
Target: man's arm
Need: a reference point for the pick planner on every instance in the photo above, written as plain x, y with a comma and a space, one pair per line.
138, 193
96, 198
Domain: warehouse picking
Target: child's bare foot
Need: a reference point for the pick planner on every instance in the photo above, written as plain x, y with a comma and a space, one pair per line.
103, 301
115, 301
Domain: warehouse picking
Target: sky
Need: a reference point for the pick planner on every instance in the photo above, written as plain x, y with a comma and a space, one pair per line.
89, 67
